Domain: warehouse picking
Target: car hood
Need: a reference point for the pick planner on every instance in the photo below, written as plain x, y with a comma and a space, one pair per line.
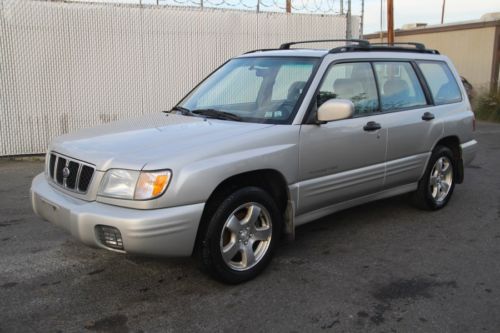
132, 143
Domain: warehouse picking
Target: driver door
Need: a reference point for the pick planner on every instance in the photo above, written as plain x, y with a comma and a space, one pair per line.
344, 159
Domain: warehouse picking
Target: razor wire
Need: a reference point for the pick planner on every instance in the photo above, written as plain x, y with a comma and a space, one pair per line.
297, 6
301, 6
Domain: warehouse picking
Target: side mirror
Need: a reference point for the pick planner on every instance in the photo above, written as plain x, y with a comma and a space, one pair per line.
335, 109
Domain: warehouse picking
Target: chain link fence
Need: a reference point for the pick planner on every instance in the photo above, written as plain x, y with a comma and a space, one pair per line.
66, 65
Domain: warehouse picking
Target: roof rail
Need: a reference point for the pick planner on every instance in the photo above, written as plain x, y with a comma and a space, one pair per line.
418, 46
260, 50
361, 42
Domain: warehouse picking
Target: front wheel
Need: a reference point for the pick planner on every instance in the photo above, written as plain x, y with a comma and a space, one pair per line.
436, 186
241, 235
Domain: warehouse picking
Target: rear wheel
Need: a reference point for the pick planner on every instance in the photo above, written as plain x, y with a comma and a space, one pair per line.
241, 235
437, 185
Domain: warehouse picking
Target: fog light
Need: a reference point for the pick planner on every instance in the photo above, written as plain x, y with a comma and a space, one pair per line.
109, 236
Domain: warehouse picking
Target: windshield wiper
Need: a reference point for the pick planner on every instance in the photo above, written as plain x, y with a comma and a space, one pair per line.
217, 114
184, 111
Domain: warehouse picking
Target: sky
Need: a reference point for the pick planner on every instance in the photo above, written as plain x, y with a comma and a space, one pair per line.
427, 11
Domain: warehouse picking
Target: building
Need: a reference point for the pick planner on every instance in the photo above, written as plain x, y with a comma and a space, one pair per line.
473, 46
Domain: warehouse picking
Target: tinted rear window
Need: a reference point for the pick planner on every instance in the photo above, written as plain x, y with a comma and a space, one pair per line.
442, 83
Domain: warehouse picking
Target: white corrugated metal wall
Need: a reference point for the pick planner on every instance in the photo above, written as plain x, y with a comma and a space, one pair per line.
65, 66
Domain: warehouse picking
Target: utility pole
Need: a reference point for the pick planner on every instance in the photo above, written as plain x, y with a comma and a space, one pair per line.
442, 12
362, 19
390, 22
348, 32
341, 7
381, 21
288, 6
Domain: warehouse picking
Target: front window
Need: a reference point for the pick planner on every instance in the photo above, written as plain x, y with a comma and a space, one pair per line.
260, 89
352, 81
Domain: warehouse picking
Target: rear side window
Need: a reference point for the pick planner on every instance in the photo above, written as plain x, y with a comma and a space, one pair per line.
442, 83
399, 86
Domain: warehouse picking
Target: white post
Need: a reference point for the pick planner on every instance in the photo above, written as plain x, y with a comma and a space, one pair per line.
362, 19
348, 33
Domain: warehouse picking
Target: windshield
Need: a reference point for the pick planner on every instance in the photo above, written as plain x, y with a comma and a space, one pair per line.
260, 89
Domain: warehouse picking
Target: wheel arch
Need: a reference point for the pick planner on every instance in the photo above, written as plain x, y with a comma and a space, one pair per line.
453, 143
270, 180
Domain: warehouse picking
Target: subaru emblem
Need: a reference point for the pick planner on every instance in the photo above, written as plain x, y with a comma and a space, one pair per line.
65, 172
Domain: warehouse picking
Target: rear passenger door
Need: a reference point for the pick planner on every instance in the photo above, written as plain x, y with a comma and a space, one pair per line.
409, 116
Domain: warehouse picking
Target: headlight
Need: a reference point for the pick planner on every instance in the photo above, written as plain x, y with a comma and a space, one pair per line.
119, 184
129, 184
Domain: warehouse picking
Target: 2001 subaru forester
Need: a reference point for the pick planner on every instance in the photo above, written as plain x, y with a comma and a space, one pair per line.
269, 141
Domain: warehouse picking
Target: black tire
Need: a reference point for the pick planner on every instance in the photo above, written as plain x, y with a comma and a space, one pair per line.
211, 252
423, 196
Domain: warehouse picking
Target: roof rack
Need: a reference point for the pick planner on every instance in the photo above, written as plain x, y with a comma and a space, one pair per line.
360, 46
361, 42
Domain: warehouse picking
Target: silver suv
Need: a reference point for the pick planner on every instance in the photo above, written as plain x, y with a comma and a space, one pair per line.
271, 140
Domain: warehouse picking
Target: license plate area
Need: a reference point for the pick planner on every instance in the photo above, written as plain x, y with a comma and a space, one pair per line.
52, 212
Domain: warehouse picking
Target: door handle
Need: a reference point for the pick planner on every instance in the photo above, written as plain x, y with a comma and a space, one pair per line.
428, 116
372, 126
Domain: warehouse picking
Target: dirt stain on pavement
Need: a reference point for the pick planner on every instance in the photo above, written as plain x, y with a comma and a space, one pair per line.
363, 314
404, 289
115, 323
332, 322
9, 222
379, 311
97, 271
410, 289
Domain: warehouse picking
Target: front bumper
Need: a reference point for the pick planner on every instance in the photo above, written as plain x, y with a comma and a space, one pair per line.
157, 232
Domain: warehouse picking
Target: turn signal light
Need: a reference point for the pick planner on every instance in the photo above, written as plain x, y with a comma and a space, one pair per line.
151, 184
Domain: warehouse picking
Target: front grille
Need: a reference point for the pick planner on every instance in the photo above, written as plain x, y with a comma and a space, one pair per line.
71, 174
61, 163
85, 178
52, 164
109, 236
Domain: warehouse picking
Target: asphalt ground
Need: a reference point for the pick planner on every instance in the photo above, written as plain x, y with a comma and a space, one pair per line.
380, 267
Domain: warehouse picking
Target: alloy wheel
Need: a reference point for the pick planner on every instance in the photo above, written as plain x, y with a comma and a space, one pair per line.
246, 236
441, 179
